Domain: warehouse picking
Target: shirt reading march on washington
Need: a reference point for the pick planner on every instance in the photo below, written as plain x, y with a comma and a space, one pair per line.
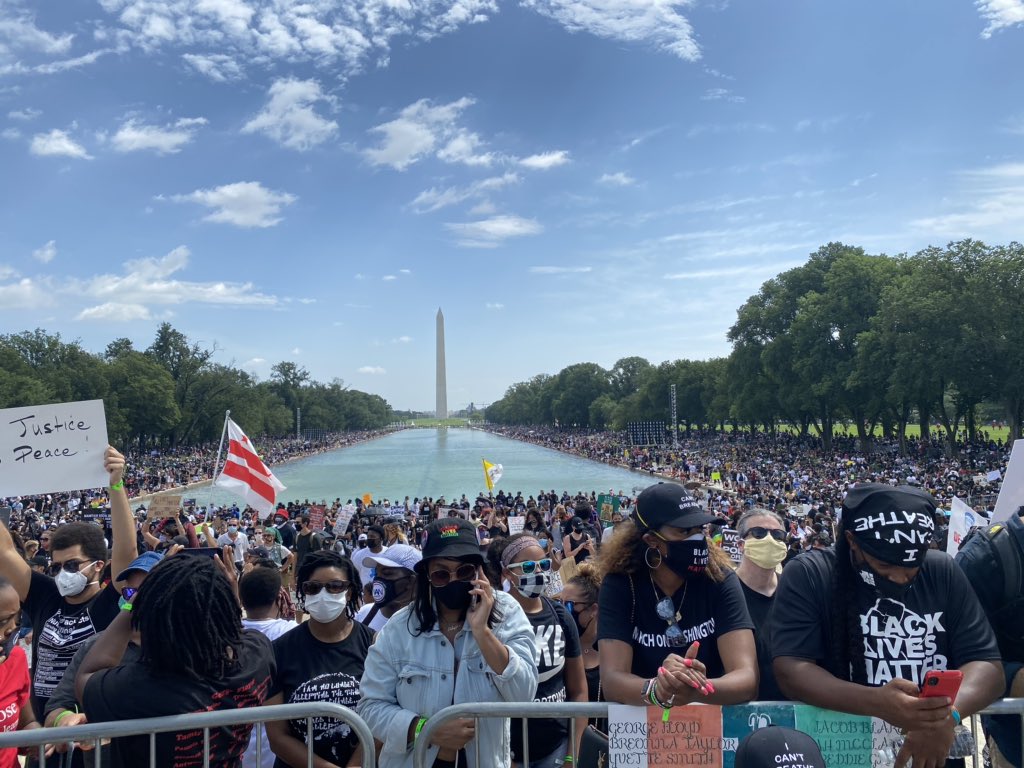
710, 610
127, 692
60, 629
556, 640
938, 625
309, 670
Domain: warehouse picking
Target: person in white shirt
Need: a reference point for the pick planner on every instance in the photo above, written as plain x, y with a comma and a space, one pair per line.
238, 541
258, 591
374, 546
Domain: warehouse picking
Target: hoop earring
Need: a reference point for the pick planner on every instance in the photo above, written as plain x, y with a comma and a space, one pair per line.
647, 558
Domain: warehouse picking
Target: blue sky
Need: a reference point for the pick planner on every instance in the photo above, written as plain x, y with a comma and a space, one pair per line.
571, 180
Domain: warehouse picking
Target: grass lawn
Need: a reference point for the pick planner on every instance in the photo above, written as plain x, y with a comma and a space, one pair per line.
440, 422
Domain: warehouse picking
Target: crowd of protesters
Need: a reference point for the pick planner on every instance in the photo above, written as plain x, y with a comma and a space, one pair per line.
839, 599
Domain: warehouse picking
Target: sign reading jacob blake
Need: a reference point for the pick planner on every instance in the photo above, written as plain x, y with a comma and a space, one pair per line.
46, 448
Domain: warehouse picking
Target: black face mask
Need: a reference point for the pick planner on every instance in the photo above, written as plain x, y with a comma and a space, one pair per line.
580, 629
688, 557
880, 585
455, 595
386, 591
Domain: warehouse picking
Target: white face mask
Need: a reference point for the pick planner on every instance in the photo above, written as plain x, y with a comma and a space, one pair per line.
325, 607
73, 584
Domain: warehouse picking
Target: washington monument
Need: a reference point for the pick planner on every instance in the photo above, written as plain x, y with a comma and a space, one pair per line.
442, 383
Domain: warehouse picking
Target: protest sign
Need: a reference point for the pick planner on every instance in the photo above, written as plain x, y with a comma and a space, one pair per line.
98, 513
58, 447
731, 544
345, 515
515, 524
961, 519
165, 505
607, 506
1011, 492
316, 517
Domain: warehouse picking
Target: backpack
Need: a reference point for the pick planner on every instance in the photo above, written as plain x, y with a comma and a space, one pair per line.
992, 559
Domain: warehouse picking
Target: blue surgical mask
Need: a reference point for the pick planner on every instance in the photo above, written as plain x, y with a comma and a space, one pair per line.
232, 529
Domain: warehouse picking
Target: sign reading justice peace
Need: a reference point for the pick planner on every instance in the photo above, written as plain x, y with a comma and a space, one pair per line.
46, 448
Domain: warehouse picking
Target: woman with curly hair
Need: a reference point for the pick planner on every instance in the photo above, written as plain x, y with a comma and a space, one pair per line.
673, 627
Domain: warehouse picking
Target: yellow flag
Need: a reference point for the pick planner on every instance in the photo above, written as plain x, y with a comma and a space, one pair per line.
492, 474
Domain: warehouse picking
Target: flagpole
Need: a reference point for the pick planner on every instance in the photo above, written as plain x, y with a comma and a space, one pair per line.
216, 464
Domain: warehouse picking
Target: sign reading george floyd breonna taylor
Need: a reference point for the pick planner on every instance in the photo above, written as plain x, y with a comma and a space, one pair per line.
58, 447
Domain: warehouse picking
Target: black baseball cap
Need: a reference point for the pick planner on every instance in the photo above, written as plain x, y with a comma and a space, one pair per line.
669, 504
451, 537
778, 747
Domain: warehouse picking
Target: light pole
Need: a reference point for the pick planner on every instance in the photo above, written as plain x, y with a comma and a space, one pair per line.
675, 420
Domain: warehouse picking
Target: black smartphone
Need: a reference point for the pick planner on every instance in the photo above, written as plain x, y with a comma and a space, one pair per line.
201, 551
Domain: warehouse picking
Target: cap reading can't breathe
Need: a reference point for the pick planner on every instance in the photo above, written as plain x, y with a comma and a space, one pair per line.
893, 524
778, 747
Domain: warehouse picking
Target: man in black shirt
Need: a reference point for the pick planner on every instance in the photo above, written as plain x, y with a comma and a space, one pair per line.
857, 629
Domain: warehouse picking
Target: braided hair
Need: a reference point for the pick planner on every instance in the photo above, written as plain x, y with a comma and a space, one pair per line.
325, 558
189, 619
848, 661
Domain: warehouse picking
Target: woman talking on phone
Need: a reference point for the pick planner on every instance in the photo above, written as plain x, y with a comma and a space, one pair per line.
673, 626
459, 641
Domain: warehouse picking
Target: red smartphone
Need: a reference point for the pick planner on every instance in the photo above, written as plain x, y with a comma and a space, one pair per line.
941, 683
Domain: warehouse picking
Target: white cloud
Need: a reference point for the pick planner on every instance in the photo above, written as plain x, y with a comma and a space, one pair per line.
462, 148
654, 22
405, 271
993, 202
483, 208
7, 272
11, 134
373, 370
417, 132
709, 273
115, 313
545, 160
25, 115
489, 233
25, 294
253, 362
307, 301
217, 66
547, 270
434, 199
388, 278
1000, 14
290, 117
134, 136
722, 94
57, 143
619, 179
46, 253
18, 31
243, 204
494, 305
296, 351
402, 340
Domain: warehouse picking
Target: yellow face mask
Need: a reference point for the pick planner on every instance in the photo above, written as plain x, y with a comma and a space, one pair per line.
765, 553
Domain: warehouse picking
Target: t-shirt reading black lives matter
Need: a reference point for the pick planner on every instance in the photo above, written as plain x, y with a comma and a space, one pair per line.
60, 628
309, 670
938, 625
711, 609
556, 639
134, 690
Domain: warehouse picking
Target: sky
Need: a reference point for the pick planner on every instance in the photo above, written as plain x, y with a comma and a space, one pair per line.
570, 180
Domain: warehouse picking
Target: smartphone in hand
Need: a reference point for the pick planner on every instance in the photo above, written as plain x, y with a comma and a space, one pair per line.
939, 683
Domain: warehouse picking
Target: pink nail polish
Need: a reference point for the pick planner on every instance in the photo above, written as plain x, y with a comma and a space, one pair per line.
662, 671
710, 687
694, 685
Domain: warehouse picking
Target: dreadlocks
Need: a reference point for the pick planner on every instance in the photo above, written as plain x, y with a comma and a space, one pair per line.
848, 661
189, 619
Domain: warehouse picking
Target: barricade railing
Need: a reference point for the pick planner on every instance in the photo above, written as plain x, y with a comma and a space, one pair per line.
572, 710
98, 733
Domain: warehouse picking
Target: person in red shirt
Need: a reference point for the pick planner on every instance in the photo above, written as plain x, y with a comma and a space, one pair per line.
15, 707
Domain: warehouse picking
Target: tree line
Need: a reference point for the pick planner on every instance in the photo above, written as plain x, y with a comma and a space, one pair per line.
173, 393
873, 341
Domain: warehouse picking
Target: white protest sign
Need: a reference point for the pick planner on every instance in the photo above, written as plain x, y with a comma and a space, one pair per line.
344, 518
1011, 493
59, 447
515, 524
961, 519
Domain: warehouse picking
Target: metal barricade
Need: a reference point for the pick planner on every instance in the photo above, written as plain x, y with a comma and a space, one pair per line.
95, 733
526, 710
571, 710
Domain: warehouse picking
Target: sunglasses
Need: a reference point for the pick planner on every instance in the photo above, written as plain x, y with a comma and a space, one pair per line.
333, 587
443, 577
759, 532
667, 610
529, 566
71, 566
571, 604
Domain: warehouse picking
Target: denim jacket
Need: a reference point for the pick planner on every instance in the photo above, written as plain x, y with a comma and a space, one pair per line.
410, 676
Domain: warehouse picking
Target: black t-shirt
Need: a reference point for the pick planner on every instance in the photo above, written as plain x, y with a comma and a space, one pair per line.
309, 670
710, 610
59, 630
127, 692
760, 607
556, 639
939, 625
